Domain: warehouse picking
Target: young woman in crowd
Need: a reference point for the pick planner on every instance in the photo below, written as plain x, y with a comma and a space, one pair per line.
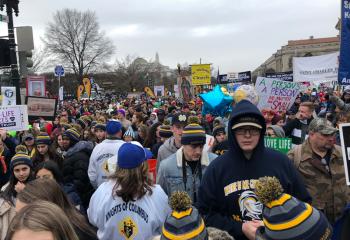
21, 173
100, 132
49, 190
43, 151
29, 142
50, 170
41, 220
142, 133
153, 135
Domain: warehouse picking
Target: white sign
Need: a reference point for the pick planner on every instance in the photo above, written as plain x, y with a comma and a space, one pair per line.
317, 69
176, 90
159, 91
275, 94
232, 75
14, 118
8, 96
60, 93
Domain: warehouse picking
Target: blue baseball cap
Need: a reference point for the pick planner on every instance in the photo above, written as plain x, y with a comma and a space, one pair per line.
132, 155
113, 126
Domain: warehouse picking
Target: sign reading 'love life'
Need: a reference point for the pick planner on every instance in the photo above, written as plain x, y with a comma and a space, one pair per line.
14, 118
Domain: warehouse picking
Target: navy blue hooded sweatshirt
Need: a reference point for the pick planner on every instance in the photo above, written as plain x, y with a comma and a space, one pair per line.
226, 195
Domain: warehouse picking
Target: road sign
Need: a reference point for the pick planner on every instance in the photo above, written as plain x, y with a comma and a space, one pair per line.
3, 18
59, 71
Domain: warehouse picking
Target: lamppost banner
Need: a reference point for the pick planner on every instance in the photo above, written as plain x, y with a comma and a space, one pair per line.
344, 60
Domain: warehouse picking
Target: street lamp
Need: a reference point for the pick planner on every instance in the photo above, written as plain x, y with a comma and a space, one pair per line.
12, 5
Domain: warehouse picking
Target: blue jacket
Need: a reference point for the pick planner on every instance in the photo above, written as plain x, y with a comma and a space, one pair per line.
170, 174
226, 195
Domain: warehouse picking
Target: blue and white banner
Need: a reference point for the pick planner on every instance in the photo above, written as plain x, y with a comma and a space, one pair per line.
344, 60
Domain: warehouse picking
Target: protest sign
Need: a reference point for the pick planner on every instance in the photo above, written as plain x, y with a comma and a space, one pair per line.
185, 88
41, 107
244, 77
159, 90
280, 144
14, 118
284, 76
316, 69
232, 76
344, 58
8, 96
344, 131
36, 86
201, 74
222, 79
276, 94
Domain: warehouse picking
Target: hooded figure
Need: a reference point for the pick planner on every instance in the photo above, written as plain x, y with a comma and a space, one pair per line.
226, 196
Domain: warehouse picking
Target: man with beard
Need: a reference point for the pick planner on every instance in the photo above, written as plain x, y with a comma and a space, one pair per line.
320, 163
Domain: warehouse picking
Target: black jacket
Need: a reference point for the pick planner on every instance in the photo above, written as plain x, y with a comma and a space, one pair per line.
297, 130
75, 168
226, 194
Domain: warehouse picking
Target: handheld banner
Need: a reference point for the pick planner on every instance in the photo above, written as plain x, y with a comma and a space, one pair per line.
344, 59
149, 92
201, 74
276, 94
280, 144
14, 118
344, 132
87, 85
80, 91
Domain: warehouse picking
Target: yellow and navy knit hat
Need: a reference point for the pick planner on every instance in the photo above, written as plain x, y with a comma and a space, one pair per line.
165, 130
82, 122
20, 158
72, 134
100, 126
184, 222
287, 218
193, 134
43, 138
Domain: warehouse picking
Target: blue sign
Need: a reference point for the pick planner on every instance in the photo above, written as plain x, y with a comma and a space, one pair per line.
59, 71
344, 60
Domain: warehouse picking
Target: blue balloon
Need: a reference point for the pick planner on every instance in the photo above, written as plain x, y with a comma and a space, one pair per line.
216, 102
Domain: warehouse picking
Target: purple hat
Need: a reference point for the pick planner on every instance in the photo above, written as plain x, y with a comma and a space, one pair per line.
122, 111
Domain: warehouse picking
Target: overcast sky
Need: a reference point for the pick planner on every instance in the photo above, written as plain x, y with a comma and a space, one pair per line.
235, 35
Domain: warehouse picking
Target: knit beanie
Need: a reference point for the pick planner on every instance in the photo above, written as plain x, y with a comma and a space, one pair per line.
287, 218
43, 138
65, 125
82, 122
20, 158
100, 126
130, 133
165, 130
72, 134
193, 134
184, 222
218, 129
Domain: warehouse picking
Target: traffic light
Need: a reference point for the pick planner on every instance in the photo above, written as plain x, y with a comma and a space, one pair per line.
25, 62
5, 59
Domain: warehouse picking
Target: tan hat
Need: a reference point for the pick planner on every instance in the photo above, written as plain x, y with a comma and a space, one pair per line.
247, 121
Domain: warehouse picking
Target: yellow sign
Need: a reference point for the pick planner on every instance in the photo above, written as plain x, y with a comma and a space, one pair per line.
80, 91
201, 74
87, 85
149, 91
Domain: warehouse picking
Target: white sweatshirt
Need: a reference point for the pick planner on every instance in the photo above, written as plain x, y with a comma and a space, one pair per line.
98, 166
118, 220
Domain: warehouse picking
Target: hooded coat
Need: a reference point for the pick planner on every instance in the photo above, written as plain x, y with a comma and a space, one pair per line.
226, 194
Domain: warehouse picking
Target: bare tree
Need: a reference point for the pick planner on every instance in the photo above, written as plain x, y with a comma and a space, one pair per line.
133, 71
74, 38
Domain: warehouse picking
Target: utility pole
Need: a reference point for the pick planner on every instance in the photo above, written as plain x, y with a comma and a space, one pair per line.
12, 5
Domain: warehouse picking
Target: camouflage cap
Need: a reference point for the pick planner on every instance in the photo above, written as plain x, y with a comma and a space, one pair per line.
323, 126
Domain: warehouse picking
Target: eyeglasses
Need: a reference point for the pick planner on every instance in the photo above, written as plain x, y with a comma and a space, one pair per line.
244, 131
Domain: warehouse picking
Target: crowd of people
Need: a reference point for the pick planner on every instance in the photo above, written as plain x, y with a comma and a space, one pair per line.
149, 168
